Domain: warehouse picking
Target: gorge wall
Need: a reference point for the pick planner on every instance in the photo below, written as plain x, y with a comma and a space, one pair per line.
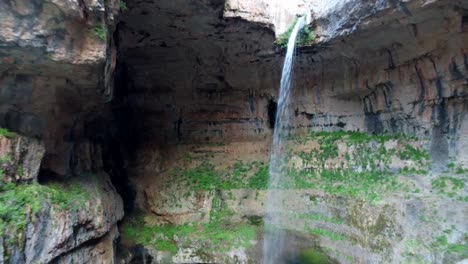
166, 109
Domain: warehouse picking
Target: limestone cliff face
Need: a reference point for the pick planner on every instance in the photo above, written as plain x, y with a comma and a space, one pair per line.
203, 84
56, 63
208, 81
394, 69
53, 221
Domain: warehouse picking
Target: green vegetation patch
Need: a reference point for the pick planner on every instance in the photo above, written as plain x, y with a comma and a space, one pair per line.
306, 36
412, 153
216, 236
441, 244
241, 175
123, 5
351, 137
6, 133
326, 233
20, 204
456, 168
448, 185
319, 217
312, 256
361, 171
100, 31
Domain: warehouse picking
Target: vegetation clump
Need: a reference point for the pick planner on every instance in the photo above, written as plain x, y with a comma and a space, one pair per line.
360, 170
100, 31
441, 244
218, 235
20, 204
242, 175
448, 185
363, 172
6, 133
306, 36
123, 5
312, 256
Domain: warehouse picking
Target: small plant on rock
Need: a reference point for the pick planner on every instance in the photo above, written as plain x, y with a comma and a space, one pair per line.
305, 37
123, 5
100, 32
6, 133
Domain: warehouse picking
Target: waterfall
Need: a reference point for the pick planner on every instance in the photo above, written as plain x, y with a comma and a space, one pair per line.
273, 246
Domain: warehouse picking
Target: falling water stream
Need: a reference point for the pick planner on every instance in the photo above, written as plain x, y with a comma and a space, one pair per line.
273, 248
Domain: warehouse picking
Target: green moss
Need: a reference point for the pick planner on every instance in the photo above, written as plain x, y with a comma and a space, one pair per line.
6, 133
255, 220
100, 31
5, 159
312, 256
305, 37
318, 217
20, 171
19, 203
260, 180
461, 170
123, 5
364, 171
412, 171
363, 174
441, 244
352, 137
158, 237
415, 154
366, 185
283, 39
325, 233
202, 177
216, 236
241, 175
448, 185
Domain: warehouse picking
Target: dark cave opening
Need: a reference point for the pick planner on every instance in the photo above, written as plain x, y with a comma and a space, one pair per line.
272, 109
115, 153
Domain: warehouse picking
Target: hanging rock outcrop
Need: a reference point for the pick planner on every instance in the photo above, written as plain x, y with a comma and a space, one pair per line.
57, 203
56, 65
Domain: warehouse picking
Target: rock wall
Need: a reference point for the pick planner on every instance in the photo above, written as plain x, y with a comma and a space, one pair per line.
53, 55
57, 203
42, 223
406, 75
203, 94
